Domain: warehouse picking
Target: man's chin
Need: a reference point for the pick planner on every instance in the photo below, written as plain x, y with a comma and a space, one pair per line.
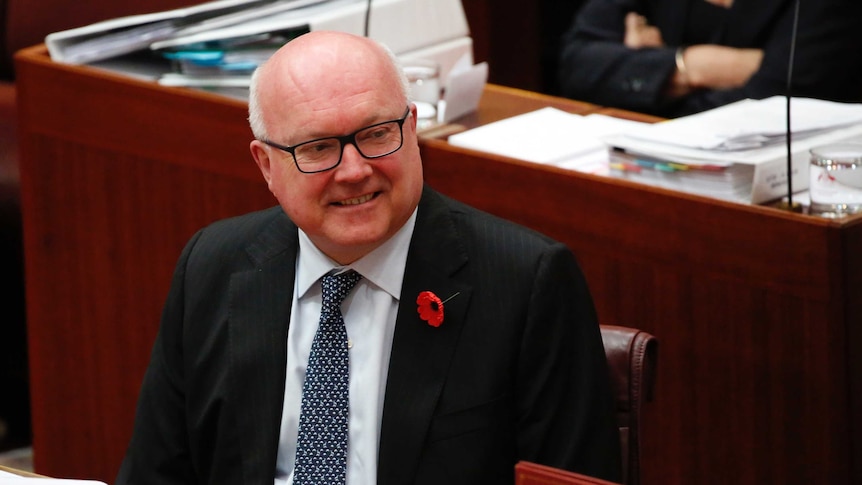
353, 241
364, 239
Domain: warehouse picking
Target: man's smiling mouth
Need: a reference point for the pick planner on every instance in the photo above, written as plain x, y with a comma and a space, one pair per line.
357, 200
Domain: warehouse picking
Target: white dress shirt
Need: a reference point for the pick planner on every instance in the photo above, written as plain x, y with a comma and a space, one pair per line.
369, 315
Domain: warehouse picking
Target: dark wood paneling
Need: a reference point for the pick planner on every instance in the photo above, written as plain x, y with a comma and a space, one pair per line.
114, 182
520, 40
103, 230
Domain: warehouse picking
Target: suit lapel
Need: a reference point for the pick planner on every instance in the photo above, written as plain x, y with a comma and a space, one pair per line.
420, 352
260, 302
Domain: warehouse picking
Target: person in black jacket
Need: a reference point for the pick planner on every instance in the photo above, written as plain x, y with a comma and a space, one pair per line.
677, 57
471, 343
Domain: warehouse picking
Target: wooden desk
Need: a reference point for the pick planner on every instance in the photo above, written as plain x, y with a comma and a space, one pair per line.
758, 311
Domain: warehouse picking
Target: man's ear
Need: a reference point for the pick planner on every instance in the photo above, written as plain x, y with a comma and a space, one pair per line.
415, 117
261, 157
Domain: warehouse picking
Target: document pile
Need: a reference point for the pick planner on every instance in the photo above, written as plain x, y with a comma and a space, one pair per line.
218, 44
735, 152
548, 136
220, 63
116, 37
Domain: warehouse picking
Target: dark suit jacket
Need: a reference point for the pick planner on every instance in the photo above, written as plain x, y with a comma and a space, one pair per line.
595, 66
516, 371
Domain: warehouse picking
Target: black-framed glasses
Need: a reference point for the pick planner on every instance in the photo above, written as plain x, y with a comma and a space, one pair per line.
322, 154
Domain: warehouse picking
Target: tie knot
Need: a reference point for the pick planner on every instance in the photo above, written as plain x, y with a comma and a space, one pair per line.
337, 286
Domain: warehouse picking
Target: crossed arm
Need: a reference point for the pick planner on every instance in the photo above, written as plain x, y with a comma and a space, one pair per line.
703, 66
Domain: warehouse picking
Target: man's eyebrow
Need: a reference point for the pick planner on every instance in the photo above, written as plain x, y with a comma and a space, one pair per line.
370, 120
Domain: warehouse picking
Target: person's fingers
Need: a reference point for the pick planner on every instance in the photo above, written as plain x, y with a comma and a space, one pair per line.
634, 21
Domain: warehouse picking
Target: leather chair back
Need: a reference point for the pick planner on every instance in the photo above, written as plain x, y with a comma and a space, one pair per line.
632, 357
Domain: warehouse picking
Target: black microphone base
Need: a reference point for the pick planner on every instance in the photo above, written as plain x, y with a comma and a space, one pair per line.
789, 206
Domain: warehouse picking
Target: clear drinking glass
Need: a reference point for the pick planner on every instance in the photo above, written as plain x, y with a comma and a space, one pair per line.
835, 186
423, 76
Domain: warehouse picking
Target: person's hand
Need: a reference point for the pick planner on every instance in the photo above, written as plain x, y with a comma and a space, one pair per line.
641, 34
722, 3
719, 67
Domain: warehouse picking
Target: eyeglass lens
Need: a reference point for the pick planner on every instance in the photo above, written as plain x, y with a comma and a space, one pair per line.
372, 142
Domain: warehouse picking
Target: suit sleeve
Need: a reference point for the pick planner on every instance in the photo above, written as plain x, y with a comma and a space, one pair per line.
596, 66
565, 405
159, 450
827, 43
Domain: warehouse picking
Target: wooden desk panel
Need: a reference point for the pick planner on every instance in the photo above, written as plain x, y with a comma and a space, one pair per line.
757, 310
116, 176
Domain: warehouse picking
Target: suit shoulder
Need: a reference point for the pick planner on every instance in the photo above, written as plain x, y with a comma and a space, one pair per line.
248, 223
232, 236
468, 216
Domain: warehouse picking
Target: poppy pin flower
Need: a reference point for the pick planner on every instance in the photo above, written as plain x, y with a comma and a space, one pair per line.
431, 308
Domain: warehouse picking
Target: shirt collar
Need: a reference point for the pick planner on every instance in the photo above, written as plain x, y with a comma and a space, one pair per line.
383, 267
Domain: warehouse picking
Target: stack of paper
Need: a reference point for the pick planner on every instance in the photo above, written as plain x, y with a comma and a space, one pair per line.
719, 180
548, 136
115, 37
751, 123
221, 63
736, 152
429, 29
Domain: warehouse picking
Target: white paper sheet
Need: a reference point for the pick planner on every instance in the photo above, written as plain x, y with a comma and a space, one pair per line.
548, 135
7, 478
751, 123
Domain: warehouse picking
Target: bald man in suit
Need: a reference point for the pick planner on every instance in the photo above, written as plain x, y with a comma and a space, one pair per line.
504, 362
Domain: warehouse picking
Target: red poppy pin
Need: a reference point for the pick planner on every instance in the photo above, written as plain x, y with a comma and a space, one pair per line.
431, 308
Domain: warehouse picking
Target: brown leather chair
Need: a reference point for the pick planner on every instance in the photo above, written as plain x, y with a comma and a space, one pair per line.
632, 356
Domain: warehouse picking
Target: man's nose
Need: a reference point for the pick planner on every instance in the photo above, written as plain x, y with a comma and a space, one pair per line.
353, 164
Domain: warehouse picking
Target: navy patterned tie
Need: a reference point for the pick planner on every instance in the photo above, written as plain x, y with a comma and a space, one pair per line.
321, 444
